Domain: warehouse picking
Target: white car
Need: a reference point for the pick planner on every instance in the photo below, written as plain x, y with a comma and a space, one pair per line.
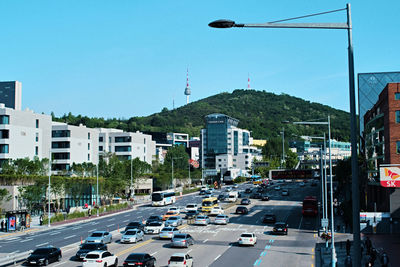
132, 236
154, 227
99, 259
277, 188
216, 211
221, 219
202, 220
191, 206
175, 209
228, 189
180, 260
247, 239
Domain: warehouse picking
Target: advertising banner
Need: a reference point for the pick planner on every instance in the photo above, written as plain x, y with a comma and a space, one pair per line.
390, 176
11, 223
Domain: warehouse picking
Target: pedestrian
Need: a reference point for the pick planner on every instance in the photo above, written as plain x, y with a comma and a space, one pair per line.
41, 219
89, 212
384, 260
348, 246
368, 245
2, 225
23, 225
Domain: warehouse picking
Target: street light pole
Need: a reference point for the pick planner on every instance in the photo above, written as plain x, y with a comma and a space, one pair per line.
48, 223
283, 147
331, 187
97, 188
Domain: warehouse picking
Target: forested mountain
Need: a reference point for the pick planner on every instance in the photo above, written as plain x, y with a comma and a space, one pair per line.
258, 111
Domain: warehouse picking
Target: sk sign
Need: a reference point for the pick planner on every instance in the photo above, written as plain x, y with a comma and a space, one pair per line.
390, 176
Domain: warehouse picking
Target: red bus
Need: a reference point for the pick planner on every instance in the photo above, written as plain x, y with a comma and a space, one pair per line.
310, 206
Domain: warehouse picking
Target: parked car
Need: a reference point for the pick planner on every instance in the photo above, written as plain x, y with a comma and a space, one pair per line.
285, 192
99, 237
241, 210
174, 221
180, 260
154, 218
245, 201
154, 227
132, 236
168, 232
247, 239
191, 206
182, 240
100, 258
202, 220
280, 228
44, 256
269, 218
265, 198
221, 219
169, 214
191, 214
140, 259
134, 225
86, 248
216, 210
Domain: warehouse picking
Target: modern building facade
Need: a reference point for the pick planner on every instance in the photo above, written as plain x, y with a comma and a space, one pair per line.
10, 94
24, 134
73, 144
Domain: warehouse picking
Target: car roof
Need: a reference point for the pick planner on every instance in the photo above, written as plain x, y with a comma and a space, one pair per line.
99, 232
178, 255
280, 223
97, 252
248, 233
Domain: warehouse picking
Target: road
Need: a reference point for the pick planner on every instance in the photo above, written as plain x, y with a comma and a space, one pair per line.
215, 245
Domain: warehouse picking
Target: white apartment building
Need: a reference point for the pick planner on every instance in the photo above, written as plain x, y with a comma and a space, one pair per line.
127, 145
73, 144
24, 134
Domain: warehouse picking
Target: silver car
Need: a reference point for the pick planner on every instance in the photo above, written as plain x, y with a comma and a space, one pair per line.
202, 220
99, 237
168, 232
132, 236
221, 219
182, 240
174, 221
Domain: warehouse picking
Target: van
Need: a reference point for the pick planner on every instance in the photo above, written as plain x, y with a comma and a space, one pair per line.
232, 197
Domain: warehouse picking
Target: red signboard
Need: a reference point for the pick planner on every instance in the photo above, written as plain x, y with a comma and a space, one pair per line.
194, 163
390, 176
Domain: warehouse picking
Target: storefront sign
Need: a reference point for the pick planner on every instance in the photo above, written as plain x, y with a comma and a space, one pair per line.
390, 176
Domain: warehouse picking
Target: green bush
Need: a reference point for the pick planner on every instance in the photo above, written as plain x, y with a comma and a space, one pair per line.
187, 191
239, 179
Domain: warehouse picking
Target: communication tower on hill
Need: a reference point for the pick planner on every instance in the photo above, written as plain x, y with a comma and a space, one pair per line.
187, 89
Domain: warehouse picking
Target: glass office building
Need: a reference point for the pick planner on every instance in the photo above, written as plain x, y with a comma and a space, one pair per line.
370, 85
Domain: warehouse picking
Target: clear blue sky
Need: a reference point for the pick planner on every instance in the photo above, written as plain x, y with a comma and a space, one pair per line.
129, 58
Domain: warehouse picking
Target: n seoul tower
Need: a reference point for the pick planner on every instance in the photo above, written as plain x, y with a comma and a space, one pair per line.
187, 89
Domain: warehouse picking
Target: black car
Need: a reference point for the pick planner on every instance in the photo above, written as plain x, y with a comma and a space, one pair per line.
44, 256
134, 225
265, 198
245, 201
269, 218
280, 228
221, 197
190, 214
248, 191
88, 247
242, 210
256, 196
202, 192
154, 218
140, 259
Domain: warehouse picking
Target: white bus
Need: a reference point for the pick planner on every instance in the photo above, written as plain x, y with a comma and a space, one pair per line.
162, 198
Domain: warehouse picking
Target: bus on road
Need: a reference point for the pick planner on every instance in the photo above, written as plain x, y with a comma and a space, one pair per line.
162, 198
310, 206
208, 204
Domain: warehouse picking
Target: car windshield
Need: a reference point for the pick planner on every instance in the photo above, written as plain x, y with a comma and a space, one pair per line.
154, 217
166, 229
280, 225
191, 211
173, 218
180, 236
97, 234
92, 256
201, 217
177, 258
155, 224
207, 203
156, 196
135, 257
89, 246
190, 206
246, 235
170, 212
41, 251
130, 233
133, 224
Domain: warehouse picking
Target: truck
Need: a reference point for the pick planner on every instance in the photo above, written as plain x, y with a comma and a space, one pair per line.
310, 206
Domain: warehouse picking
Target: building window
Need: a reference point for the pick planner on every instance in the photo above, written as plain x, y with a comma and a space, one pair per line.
88, 157
60, 145
88, 146
144, 150
144, 140
37, 123
123, 148
109, 148
123, 139
397, 96
57, 156
398, 147
4, 149
219, 159
100, 138
4, 134
36, 150
100, 148
219, 165
397, 116
109, 139
61, 133
88, 136
37, 137
4, 119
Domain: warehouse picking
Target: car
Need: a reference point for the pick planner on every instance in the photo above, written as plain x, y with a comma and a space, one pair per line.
260, 189
132, 236
247, 239
191, 214
302, 184
221, 197
280, 228
256, 195
221, 219
169, 214
202, 192
182, 240
100, 258
191, 206
154, 218
134, 225
277, 188
86, 248
235, 186
99, 237
241, 210
202, 220
216, 210
245, 201
140, 259
175, 209
265, 198
44, 255
168, 232
269, 218
204, 187
248, 191
174, 221
285, 192
207, 194
154, 227
228, 189
180, 260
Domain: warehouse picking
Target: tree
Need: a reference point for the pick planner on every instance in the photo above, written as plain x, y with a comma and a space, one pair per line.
4, 195
291, 159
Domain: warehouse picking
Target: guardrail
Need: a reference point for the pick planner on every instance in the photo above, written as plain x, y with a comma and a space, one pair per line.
13, 258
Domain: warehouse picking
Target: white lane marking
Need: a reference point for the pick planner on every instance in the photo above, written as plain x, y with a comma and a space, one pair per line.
55, 233
301, 220
216, 258
71, 236
92, 230
94, 223
154, 253
61, 263
125, 221
42, 244
14, 252
76, 228
67, 250
127, 215
189, 251
110, 225
26, 240
112, 219
205, 241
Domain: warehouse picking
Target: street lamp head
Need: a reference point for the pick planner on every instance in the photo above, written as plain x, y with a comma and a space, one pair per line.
222, 23
286, 122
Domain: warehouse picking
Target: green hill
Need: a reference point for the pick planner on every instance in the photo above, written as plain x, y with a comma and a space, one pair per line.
258, 111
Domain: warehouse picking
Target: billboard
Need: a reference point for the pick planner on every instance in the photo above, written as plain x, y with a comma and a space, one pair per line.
292, 174
389, 176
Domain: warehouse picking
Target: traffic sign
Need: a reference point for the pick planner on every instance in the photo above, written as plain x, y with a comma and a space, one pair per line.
324, 223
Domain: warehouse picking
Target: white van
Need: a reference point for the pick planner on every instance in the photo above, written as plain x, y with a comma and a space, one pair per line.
232, 197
